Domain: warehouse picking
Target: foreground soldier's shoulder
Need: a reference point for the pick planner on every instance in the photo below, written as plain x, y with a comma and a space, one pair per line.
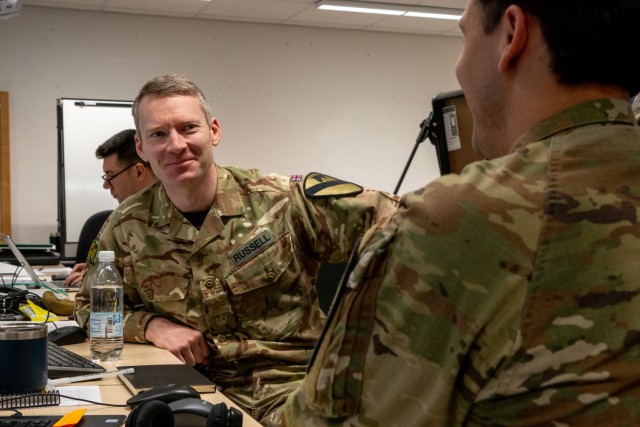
319, 185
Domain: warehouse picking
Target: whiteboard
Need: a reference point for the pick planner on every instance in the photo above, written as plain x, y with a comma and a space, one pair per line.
84, 124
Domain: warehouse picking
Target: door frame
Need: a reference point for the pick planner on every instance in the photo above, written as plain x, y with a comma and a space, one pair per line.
5, 172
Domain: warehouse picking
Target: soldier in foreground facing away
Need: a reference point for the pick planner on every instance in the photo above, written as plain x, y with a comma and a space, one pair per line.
508, 294
219, 263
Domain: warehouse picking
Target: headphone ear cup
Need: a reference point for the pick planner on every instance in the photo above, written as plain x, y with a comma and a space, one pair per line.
153, 413
218, 416
235, 418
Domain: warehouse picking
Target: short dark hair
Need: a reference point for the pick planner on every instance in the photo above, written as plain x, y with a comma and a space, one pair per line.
171, 85
123, 144
590, 41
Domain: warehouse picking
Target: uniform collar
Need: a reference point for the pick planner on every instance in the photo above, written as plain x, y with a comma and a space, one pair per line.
228, 202
595, 111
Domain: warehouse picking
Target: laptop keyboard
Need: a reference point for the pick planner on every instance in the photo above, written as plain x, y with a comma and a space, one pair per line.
65, 363
28, 421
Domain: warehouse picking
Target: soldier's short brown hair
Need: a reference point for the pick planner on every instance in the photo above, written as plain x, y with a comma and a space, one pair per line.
170, 85
590, 41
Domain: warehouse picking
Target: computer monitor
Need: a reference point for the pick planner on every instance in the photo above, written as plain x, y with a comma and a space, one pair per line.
452, 127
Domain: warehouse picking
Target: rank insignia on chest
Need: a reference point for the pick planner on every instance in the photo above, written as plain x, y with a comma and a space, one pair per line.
252, 248
319, 185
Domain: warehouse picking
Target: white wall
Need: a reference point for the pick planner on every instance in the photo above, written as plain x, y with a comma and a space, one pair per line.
288, 99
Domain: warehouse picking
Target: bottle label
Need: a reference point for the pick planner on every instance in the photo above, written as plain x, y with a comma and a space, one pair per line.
105, 325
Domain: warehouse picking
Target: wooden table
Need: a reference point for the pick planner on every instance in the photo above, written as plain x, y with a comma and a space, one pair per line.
113, 391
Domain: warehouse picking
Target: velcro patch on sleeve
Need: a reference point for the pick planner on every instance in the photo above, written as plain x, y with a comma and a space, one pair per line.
319, 185
93, 252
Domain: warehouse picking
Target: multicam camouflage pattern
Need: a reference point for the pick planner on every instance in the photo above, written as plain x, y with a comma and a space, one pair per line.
508, 295
245, 279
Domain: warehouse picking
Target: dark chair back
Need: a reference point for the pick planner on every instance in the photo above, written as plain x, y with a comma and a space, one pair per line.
89, 232
327, 283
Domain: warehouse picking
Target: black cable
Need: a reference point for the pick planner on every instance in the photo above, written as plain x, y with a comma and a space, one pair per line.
16, 274
115, 405
16, 296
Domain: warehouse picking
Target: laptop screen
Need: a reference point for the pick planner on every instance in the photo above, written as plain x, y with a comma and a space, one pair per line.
25, 264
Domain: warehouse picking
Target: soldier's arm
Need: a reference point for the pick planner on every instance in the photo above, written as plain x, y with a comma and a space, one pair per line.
408, 333
335, 214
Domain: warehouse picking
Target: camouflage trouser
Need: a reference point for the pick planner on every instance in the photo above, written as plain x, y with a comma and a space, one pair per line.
263, 399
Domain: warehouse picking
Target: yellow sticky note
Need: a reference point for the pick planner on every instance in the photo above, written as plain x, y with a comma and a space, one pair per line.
70, 419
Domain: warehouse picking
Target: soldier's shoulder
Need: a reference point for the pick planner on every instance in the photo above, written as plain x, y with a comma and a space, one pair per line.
319, 185
140, 199
254, 179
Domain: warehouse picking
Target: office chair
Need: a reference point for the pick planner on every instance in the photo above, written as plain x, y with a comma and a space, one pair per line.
327, 283
89, 232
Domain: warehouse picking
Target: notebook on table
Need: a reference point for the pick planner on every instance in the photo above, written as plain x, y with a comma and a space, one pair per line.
145, 377
47, 284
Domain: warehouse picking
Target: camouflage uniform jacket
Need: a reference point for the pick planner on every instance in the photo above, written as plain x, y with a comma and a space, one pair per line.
245, 279
506, 295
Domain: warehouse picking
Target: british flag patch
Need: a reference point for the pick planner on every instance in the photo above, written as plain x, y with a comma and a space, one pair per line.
296, 178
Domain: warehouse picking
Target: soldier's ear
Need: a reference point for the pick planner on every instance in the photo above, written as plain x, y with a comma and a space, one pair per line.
141, 172
216, 132
139, 148
514, 38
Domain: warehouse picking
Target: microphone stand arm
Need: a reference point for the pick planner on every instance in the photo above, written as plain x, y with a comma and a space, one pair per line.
426, 128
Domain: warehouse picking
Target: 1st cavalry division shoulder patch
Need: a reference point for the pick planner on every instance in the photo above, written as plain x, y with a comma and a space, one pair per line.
320, 185
93, 252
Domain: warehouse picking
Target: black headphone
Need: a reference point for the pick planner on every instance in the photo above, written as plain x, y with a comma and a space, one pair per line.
156, 413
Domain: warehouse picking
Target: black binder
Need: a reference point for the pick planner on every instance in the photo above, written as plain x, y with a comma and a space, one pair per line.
29, 400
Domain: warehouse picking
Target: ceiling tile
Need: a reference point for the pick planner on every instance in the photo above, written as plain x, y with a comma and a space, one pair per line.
163, 7
67, 4
294, 12
272, 10
318, 16
451, 4
411, 2
433, 26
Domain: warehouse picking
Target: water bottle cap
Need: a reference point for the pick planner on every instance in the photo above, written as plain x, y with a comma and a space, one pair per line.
106, 256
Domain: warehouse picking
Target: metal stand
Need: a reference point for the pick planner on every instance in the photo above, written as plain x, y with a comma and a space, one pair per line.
426, 130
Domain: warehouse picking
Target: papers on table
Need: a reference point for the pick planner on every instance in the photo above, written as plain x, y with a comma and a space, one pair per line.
90, 392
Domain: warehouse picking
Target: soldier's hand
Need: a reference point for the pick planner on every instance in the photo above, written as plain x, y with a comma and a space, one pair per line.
75, 276
185, 343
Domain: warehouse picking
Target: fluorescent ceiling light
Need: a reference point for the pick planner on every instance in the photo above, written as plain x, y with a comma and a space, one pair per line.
361, 10
433, 15
390, 9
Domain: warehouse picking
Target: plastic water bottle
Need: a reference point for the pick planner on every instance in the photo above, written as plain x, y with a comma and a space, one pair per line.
106, 319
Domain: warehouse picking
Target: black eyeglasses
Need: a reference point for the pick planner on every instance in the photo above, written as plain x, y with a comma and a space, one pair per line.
109, 179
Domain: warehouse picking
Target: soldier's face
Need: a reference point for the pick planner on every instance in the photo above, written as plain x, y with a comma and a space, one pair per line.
121, 181
477, 73
176, 138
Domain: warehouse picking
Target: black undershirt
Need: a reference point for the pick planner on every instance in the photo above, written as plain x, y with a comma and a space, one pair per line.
196, 218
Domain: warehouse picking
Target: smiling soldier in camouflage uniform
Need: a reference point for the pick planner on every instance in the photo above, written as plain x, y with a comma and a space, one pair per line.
219, 263
508, 295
